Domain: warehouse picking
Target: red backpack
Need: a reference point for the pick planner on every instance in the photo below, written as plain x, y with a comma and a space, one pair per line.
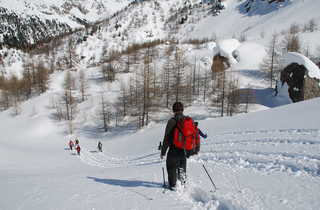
185, 134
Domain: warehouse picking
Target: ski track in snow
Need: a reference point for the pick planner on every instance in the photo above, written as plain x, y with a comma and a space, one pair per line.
259, 151
242, 149
262, 150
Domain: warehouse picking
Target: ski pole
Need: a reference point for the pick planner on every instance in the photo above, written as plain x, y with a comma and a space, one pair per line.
215, 188
164, 180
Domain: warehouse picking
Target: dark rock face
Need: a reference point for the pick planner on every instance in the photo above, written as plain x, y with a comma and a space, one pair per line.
294, 75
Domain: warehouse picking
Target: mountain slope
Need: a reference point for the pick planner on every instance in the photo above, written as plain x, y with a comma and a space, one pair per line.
265, 19
29, 22
263, 160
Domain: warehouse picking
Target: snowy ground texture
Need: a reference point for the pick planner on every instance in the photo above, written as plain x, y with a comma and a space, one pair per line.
262, 160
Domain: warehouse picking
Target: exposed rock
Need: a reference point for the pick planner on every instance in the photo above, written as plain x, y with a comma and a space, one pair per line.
293, 75
312, 88
301, 86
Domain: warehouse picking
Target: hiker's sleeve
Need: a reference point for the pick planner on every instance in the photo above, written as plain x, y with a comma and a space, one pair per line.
202, 135
167, 136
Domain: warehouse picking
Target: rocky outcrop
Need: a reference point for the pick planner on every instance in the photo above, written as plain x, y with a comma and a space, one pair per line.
301, 86
293, 75
312, 88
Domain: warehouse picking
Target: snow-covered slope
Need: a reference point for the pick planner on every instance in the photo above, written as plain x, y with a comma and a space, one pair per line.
262, 160
28, 22
263, 19
65, 11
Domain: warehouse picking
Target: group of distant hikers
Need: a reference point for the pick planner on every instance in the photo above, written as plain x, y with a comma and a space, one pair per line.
182, 137
77, 147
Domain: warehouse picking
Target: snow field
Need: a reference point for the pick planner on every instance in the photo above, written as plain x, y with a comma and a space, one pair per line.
263, 160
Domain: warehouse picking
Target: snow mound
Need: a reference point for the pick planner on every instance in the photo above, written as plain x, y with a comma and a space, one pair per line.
247, 59
294, 57
226, 47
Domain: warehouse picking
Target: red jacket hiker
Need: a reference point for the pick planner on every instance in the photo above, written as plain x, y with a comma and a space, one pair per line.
71, 144
78, 149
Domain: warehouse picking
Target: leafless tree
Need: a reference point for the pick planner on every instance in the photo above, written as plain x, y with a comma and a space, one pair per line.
68, 98
292, 43
71, 53
105, 113
108, 72
42, 77
83, 84
271, 63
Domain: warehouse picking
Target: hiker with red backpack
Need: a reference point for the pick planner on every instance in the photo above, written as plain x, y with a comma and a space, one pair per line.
180, 138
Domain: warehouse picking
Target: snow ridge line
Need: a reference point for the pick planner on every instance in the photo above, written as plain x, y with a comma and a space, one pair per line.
264, 140
302, 131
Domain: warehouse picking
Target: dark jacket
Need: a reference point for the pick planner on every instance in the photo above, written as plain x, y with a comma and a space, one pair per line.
201, 134
168, 138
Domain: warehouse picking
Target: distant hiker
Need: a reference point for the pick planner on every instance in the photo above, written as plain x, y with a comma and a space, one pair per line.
276, 91
100, 146
71, 144
78, 149
180, 135
160, 146
76, 143
199, 133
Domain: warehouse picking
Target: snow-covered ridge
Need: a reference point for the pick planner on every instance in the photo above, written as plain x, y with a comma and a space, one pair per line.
22, 31
265, 20
88, 10
25, 23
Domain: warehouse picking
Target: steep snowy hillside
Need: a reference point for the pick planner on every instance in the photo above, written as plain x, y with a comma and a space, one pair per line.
152, 20
66, 11
263, 19
141, 22
27, 22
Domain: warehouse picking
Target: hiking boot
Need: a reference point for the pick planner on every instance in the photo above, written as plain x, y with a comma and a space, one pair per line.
173, 188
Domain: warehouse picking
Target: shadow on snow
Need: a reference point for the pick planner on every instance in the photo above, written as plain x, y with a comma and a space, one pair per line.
127, 183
